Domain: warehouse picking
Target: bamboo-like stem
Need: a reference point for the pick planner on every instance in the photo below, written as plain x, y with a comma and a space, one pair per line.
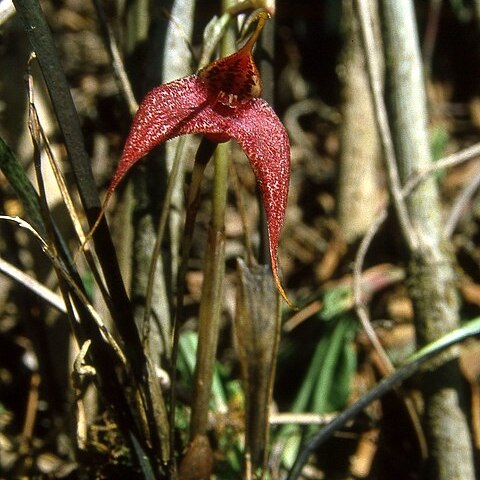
177, 63
152, 288
432, 280
384, 129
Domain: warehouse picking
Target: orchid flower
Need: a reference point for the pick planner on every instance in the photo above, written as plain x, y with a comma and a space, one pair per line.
222, 102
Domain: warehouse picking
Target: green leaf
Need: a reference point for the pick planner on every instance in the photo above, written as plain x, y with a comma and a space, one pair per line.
323, 396
186, 365
25, 191
336, 301
327, 383
344, 371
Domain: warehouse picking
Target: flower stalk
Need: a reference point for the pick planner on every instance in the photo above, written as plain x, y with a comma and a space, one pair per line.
214, 273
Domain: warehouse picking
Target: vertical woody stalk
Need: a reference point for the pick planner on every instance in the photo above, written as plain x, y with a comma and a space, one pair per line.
431, 274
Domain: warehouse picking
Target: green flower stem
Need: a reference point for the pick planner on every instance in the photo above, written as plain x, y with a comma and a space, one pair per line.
214, 272
212, 298
204, 153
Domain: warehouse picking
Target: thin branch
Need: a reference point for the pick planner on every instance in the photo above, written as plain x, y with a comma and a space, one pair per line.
162, 223
357, 292
31, 412
116, 59
301, 418
452, 160
35, 286
460, 205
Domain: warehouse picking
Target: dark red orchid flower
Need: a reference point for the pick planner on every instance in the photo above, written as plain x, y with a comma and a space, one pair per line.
221, 102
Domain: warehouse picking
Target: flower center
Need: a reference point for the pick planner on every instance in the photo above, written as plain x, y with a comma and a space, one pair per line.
232, 80
235, 79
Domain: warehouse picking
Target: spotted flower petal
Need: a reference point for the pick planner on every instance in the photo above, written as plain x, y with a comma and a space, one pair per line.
264, 140
163, 114
221, 102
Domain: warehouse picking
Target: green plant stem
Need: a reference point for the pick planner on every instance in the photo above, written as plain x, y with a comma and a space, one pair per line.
204, 153
212, 298
326, 378
214, 271
211, 302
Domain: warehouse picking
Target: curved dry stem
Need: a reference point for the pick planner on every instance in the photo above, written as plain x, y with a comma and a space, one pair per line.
33, 285
89, 235
467, 154
460, 205
357, 291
